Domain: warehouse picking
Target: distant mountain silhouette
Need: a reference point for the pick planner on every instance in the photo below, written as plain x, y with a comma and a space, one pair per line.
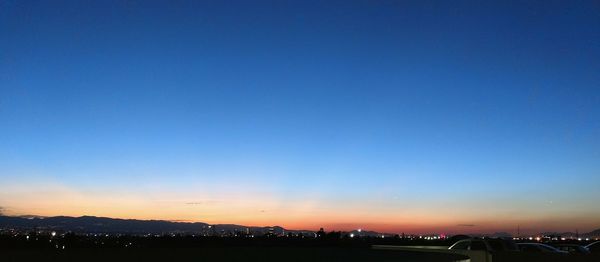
562, 234
501, 235
91, 224
366, 233
593, 234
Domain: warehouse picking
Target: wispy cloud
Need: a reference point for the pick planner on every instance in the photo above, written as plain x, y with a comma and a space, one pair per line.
465, 225
207, 202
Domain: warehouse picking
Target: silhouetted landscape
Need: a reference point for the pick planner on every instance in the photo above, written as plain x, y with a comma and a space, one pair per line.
99, 225
31, 238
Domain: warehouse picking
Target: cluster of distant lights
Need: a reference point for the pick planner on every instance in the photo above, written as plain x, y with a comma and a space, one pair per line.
432, 237
553, 239
351, 235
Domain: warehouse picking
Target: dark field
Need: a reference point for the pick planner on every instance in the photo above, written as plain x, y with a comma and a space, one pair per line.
221, 254
41, 247
243, 254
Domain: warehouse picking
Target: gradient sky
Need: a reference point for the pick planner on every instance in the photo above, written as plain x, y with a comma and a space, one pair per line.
397, 116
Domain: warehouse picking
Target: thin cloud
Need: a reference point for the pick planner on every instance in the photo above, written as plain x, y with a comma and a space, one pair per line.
208, 202
465, 225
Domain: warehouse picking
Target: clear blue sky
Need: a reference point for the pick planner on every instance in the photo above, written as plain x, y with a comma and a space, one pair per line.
332, 107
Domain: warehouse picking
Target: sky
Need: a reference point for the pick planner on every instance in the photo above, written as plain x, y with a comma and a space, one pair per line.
396, 116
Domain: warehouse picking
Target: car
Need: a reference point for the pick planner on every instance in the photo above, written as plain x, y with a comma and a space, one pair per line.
594, 247
539, 248
487, 244
572, 248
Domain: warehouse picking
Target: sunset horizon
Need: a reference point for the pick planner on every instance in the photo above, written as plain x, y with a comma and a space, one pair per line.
399, 228
416, 117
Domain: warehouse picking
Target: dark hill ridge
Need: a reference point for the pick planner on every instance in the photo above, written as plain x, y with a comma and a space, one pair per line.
595, 233
91, 224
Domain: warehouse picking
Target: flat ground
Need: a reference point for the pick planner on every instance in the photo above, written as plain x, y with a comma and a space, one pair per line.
254, 253
221, 254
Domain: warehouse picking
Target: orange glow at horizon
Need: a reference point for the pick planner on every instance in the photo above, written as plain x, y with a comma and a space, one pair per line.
266, 210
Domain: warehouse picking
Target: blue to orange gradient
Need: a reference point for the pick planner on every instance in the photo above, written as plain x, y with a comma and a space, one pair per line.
396, 116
